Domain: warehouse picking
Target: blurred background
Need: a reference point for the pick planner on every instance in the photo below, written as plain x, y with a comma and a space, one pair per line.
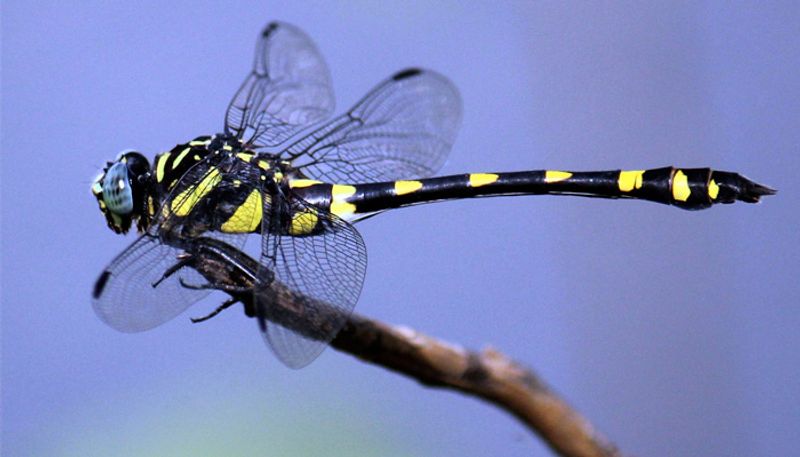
675, 333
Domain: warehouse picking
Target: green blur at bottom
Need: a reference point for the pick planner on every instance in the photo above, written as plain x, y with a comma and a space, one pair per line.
164, 421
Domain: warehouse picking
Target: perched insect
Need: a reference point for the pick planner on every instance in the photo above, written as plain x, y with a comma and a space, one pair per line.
302, 192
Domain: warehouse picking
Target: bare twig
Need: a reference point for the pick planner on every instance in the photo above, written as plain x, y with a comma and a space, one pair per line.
488, 374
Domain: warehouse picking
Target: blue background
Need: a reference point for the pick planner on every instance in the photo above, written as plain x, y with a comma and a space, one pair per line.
675, 333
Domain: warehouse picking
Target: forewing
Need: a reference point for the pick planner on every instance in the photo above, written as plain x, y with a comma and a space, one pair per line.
307, 285
126, 296
403, 129
288, 88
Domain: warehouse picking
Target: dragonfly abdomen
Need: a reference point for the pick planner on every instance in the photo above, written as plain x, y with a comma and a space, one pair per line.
687, 188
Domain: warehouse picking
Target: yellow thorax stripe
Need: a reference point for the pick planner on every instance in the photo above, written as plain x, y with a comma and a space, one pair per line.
247, 216
162, 162
183, 203
180, 157
245, 156
303, 222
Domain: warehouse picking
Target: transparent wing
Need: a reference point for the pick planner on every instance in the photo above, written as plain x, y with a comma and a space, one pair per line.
131, 295
145, 285
307, 285
288, 88
403, 129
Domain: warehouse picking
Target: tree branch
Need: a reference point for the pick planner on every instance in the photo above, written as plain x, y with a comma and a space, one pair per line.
489, 374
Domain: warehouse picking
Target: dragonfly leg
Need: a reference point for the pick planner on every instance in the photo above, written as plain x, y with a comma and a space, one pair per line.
219, 286
226, 304
182, 262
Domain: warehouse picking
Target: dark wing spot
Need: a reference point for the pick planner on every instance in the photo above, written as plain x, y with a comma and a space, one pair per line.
100, 284
269, 29
407, 73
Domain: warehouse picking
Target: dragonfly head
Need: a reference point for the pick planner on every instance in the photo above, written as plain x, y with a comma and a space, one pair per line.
123, 191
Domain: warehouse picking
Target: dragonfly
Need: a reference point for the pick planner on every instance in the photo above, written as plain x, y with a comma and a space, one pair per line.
284, 169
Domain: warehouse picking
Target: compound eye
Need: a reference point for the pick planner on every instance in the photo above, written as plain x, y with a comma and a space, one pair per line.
117, 193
